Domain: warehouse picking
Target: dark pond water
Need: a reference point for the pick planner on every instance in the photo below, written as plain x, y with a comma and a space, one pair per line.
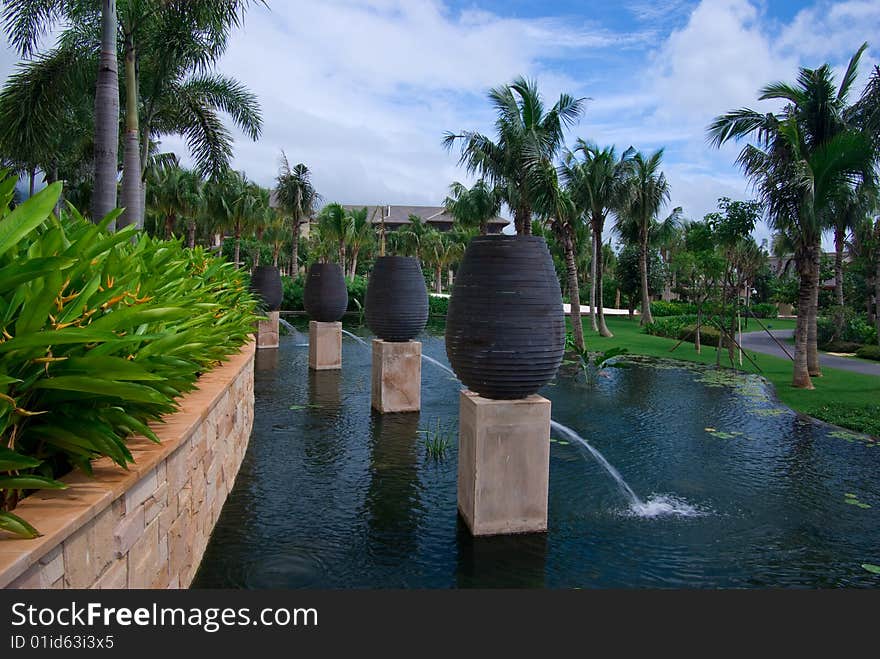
331, 495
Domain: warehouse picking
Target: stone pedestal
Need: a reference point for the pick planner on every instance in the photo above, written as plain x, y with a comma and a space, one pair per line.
267, 331
325, 346
397, 376
503, 464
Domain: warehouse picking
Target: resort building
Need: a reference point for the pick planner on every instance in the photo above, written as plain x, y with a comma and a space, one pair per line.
435, 216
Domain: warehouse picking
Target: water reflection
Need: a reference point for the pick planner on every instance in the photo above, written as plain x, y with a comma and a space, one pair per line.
325, 390
393, 506
266, 360
503, 561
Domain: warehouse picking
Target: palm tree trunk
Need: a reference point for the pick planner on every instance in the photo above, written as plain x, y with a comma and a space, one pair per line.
812, 331
577, 326
438, 278
697, 331
276, 249
449, 279
342, 255
522, 220
484, 227
643, 271
594, 325
169, 226
191, 233
106, 117
237, 251
600, 285
294, 250
131, 172
617, 299
839, 240
801, 374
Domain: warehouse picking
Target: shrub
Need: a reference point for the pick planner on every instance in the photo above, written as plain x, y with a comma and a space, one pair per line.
293, 293
856, 329
765, 310
662, 308
683, 327
869, 352
438, 306
99, 334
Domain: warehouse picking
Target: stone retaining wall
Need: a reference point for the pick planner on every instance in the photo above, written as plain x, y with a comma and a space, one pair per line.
146, 527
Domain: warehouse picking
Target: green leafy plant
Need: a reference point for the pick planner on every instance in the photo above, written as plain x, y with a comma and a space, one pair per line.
99, 334
438, 440
593, 363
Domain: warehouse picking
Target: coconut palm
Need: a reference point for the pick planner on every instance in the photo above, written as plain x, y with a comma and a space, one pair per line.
297, 198
473, 206
645, 191
409, 239
528, 138
276, 233
440, 250
596, 183
335, 225
238, 205
360, 237
168, 50
804, 159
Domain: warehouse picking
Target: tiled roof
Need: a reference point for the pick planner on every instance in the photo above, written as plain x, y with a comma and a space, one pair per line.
400, 214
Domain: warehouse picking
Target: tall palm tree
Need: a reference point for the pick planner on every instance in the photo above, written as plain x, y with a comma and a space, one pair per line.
297, 197
646, 190
596, 183
106, 116
474, 206
335, 225
360, 237
168, 49
803, 160
528, 138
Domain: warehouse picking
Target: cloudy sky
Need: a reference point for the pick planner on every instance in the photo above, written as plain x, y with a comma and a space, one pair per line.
363, 90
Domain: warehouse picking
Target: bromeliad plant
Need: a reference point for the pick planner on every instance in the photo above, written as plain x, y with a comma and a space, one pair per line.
99, 334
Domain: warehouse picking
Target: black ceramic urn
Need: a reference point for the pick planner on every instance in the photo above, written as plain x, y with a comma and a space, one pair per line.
325, 296
505, 329
266, 282
397, 300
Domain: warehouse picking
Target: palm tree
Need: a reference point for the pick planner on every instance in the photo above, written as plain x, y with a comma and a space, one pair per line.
297, 197
803, 160
528, 138
360, 236
275, 233
440, 250
106, 116
238, 205
473, 206
596, 182
168, 49
410, 238
335, 224
645, 191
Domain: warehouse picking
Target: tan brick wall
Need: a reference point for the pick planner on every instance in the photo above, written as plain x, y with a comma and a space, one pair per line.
146, 527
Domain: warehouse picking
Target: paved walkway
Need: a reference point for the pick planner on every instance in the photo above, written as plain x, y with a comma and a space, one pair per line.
760, 342
585, 310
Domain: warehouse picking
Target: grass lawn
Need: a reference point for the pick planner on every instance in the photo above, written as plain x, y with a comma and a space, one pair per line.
847, 399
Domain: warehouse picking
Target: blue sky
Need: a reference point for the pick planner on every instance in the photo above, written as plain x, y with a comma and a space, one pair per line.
363, 90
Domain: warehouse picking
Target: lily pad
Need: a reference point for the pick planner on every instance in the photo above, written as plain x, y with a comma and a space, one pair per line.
850, 495
873, 569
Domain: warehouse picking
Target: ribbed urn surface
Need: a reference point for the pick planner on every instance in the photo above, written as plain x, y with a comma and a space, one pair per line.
266, 282
505, 329
397, 300
325, 296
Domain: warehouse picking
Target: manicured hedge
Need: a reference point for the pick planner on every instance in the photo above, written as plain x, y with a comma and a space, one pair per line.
869, 352
438, 306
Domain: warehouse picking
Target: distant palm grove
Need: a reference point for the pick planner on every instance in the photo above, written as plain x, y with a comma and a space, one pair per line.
91, 108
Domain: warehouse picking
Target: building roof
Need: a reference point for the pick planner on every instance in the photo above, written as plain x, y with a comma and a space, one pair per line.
400, 214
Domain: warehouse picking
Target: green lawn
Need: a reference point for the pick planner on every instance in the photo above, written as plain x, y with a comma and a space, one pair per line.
848, 399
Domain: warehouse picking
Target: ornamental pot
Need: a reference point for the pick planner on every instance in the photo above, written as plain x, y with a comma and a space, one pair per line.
397, 300
266, 283
325, 296
505, 328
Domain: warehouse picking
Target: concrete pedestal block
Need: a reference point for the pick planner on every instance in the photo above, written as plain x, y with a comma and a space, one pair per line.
267, 331
397, 376
503, 464
325, 345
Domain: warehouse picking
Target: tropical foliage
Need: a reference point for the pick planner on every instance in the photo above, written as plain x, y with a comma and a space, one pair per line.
100, 334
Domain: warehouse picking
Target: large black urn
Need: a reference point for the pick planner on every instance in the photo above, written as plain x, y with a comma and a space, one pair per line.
505, 329
325, 296
266, 283
397, 300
